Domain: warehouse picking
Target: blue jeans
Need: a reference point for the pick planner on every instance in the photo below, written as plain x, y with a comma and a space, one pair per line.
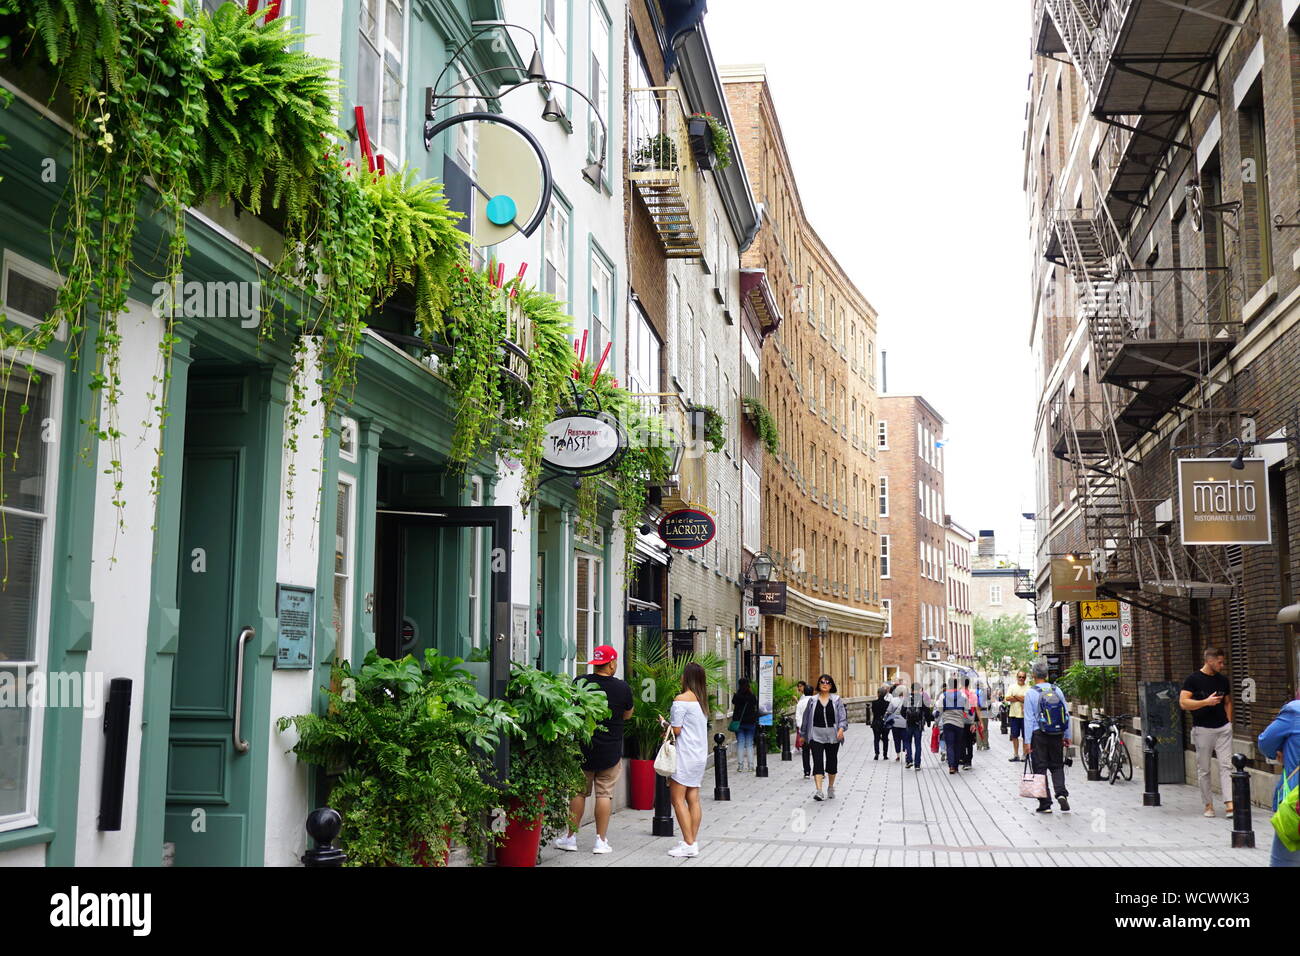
954, 741
912, 743
745, 744
1281, 856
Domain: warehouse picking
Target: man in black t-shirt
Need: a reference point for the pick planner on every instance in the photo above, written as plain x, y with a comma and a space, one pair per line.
1208, 696
602, 759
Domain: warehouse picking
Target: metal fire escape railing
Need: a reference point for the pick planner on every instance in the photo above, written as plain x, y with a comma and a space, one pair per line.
1152, 340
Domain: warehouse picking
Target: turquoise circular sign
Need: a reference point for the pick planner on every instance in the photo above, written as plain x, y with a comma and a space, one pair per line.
500, 210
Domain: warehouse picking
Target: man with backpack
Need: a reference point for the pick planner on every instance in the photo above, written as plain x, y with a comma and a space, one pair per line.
916, 712
1047, 721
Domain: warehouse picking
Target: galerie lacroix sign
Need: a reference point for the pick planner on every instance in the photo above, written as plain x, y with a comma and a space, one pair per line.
581, 444
687, 529
1217, 504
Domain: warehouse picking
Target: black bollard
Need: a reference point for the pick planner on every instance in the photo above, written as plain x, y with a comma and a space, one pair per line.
323, 826
720, 789
662, 824
760, 768
785, 739
1150, 772
1243, 837
1004, 717
1092, 749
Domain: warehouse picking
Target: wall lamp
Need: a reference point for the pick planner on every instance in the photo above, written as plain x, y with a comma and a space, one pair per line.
552, 111
759, 570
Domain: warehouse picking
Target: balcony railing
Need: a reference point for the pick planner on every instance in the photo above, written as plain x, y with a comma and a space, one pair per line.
662, 168
682, 430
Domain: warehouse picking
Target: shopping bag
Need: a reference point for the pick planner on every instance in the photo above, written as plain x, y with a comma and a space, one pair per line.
666, 760
1286, 819
1033, 784
934, 740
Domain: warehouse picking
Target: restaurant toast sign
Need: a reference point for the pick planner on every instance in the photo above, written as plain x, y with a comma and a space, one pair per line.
1218, 504
581, 444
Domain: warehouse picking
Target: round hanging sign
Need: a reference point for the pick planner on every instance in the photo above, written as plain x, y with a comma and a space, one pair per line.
581, 444
686, 529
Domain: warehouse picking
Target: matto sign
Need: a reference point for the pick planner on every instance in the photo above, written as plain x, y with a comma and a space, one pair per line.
1073, 580
1218, 504
687, 529
581, 444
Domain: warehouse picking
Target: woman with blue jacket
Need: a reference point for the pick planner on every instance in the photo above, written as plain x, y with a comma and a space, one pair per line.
824, 722
1282, 739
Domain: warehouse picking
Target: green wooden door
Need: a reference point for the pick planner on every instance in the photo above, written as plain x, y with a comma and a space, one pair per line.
208, 774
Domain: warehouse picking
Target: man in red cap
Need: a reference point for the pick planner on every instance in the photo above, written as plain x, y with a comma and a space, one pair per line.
603, 757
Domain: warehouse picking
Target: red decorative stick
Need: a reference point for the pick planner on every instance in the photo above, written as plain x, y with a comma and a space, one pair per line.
518, 279
582, 356
363, 137
379, 164
501, 274
603, 355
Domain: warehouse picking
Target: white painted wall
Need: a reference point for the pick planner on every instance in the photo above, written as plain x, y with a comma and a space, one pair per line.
297, 563
120, 582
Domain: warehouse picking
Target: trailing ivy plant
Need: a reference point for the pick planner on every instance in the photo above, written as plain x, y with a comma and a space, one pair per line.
764, 424
715, 432
720, 136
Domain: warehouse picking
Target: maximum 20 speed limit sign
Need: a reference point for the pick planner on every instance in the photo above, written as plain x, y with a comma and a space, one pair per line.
1101, 632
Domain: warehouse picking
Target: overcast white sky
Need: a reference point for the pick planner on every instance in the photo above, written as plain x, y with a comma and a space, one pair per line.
903, 122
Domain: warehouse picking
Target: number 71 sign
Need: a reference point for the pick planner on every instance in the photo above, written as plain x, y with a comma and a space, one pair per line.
1073, 580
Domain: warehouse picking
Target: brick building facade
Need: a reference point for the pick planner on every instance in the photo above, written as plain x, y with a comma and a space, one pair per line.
1166, 325
818, 382
913, 538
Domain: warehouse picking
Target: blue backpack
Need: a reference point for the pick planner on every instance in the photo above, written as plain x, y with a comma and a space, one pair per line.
1052, 716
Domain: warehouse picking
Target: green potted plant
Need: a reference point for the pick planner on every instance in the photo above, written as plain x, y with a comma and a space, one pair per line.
710, 141
554, 717
655, 152
656, 678
409, 742
715, 431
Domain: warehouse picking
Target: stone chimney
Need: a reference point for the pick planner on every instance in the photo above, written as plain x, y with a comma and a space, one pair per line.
986, 549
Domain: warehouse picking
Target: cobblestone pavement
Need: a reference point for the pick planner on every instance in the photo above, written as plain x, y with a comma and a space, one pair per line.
885, 815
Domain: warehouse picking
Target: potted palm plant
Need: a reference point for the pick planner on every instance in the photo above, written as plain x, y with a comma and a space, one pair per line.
554, 717
656, 678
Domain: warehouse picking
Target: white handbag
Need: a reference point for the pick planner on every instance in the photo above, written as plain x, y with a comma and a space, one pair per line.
666, 759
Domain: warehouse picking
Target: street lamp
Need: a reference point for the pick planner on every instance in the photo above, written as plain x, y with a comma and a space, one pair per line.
691, 622
823, 626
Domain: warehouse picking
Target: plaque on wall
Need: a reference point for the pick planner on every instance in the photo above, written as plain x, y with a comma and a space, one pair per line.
295, 611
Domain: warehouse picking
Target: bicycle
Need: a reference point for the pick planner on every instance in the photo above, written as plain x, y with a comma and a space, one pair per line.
1113, 758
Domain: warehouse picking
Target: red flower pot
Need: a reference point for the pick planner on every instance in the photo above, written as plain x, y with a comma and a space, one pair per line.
641, 784
522, 839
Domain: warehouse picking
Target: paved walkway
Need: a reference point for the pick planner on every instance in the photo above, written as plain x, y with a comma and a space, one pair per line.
884, 815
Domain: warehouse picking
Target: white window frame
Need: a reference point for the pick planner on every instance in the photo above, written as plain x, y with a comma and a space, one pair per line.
594, 608
884, 557
887, 607
601, 58
995, 595
375, 124
52, 373
557, 226
752, 487
349, 542
882, 435
12, 262
554, 40
597, 269
882, 504
674, 330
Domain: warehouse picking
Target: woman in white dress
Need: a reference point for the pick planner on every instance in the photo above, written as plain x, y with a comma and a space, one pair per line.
690, 723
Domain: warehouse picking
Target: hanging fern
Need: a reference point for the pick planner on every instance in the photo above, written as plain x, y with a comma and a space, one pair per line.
764, 424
